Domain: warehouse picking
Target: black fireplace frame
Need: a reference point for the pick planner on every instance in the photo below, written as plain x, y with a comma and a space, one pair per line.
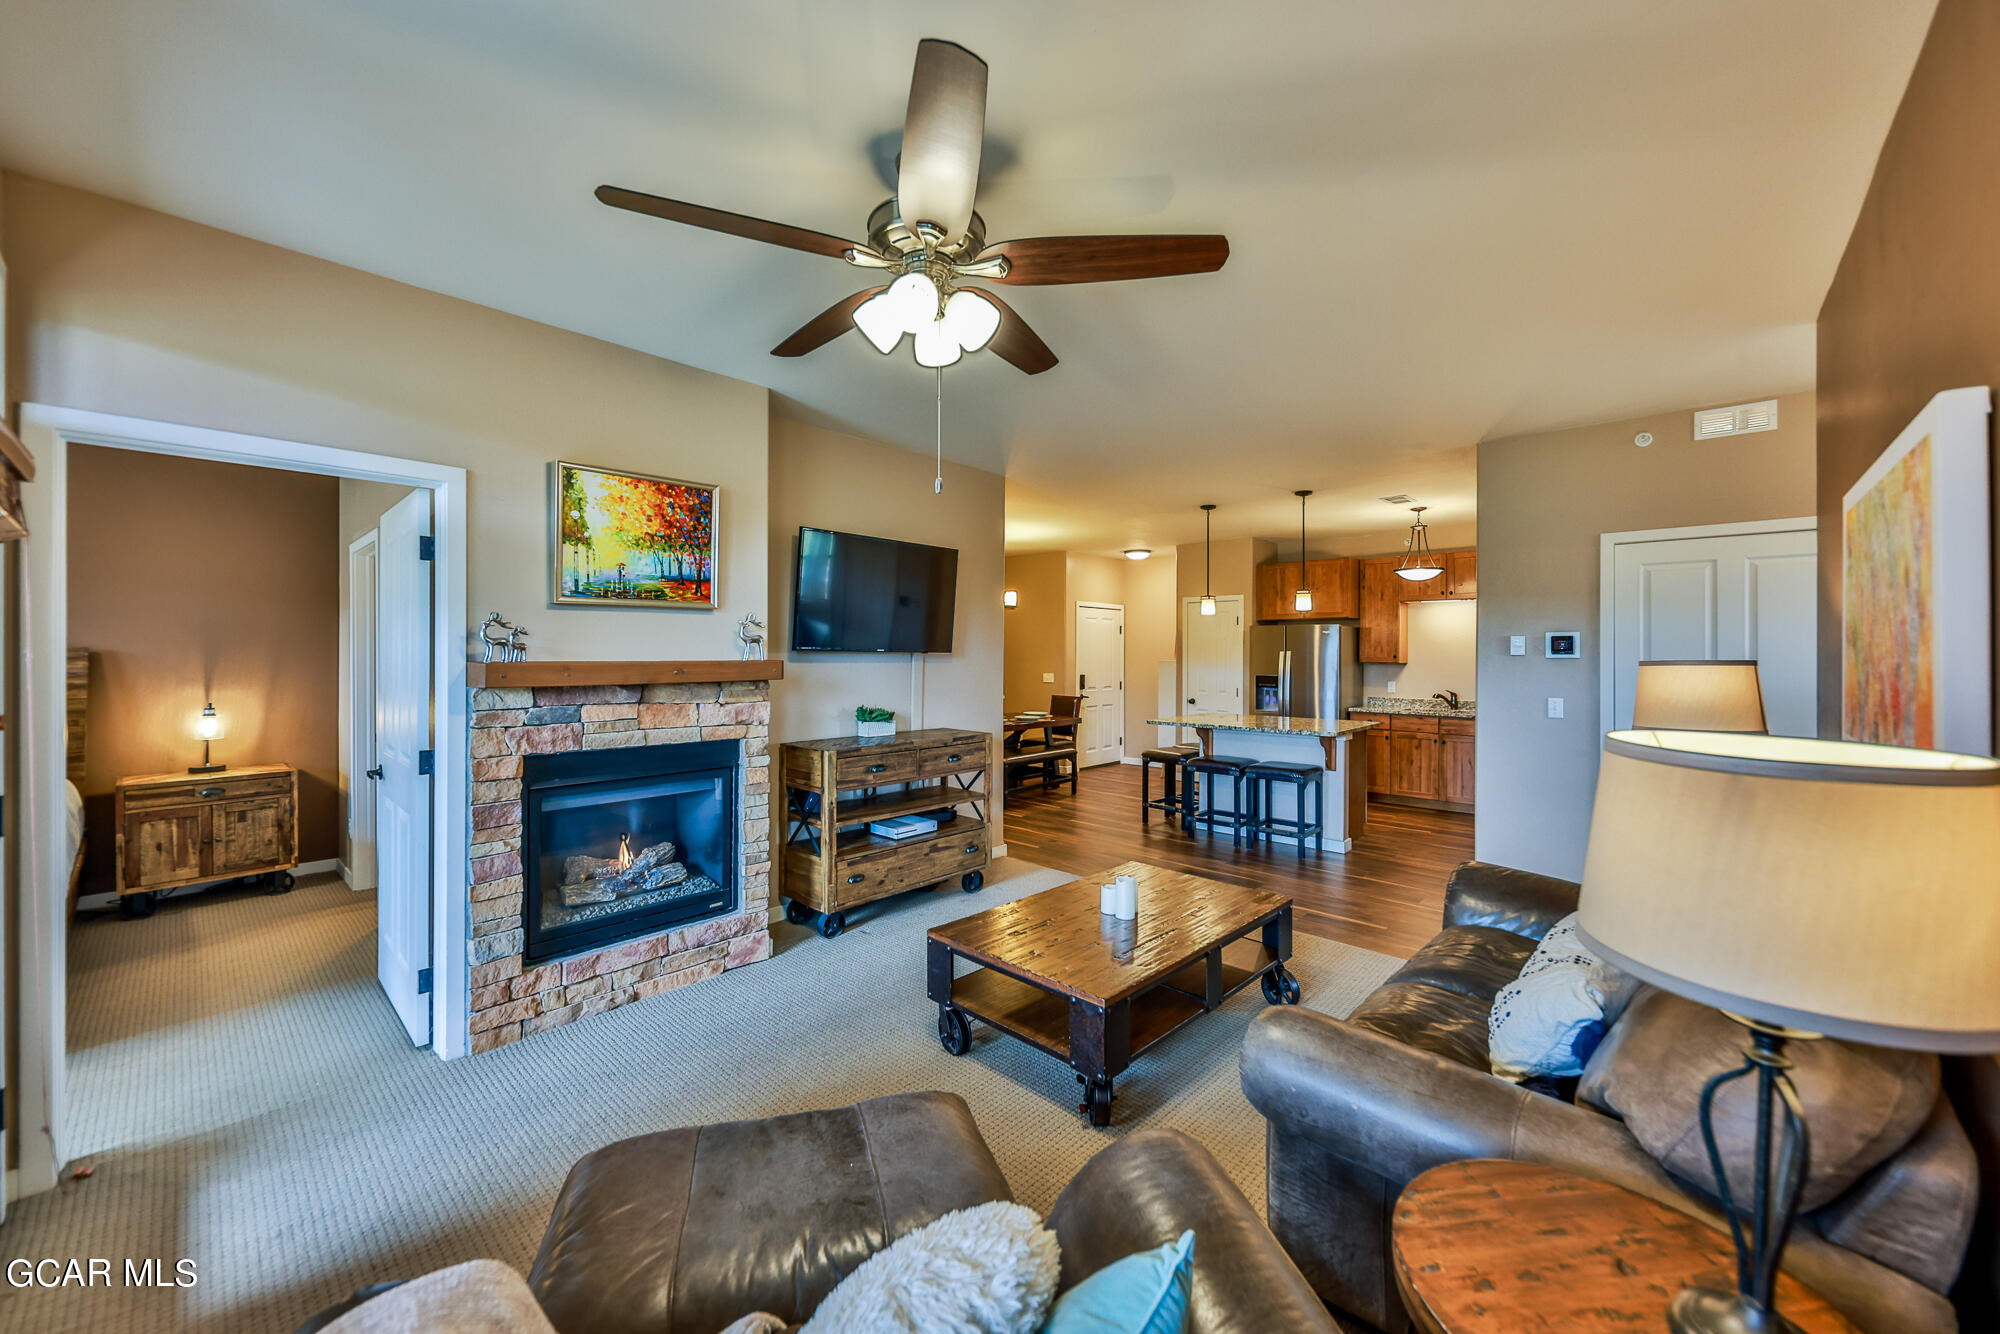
545, 774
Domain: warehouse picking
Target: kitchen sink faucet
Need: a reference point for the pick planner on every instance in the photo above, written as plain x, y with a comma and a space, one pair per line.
1450, 698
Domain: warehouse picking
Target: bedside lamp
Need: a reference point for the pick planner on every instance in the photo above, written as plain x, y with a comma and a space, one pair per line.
1707, 695
1805, 888
209, 728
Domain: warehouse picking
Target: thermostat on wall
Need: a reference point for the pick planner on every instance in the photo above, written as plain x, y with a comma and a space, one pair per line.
1562, 644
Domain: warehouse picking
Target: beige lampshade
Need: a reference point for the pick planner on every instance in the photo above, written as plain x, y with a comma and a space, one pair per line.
1717, 695
1841, 888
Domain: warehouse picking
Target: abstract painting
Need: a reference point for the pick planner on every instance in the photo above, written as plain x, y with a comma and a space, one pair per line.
626, 539
1916, 657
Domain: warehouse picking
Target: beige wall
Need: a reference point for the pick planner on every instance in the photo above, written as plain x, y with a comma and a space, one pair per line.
1036, 642
362, 505
1235, 565
1914, 308
1041, 630
193, 581
1444, 652
120, 309
821, 479
1544, 499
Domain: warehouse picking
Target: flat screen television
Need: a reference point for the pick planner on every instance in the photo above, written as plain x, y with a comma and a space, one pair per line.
858, 594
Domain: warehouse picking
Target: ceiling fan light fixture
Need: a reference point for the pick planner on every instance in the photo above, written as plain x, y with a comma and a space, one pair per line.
935, 347
881, 322
914, 298
970, 319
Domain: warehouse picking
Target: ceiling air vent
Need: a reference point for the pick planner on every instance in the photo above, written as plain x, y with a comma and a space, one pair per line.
1397, 500
1743, 419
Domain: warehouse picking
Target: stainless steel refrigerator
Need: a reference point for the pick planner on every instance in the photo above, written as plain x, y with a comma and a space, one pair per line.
1305, 671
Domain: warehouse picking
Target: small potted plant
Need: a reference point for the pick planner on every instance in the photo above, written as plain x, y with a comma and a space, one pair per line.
871, 721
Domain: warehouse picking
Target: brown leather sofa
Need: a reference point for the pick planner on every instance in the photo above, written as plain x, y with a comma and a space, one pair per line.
1357, 1108
684, 1231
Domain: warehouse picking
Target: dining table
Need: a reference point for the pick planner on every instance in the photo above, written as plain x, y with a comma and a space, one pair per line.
1015, 729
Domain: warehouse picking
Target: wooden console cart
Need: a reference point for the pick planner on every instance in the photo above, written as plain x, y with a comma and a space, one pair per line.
833, 788
186, 829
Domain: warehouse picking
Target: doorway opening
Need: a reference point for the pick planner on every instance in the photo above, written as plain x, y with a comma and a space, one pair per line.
178, 837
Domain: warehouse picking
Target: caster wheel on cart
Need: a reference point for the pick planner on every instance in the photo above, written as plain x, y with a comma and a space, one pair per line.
832, 924
954, 1030
972, 881
1096, 1104
281, 883
797, 913
132, 907
1280, 987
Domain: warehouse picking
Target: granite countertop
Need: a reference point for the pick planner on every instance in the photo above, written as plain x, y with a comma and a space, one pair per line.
1410, 704
1264, 722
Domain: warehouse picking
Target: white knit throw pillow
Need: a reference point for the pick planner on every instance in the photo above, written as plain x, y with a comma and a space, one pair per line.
990, 1269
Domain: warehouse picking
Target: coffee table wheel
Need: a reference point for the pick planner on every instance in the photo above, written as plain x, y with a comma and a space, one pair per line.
1280, 987
954, 1030
832, 924
972, 881
1096, 1104
797, 913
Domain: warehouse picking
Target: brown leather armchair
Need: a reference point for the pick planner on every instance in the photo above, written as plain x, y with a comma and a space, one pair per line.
1358, 1107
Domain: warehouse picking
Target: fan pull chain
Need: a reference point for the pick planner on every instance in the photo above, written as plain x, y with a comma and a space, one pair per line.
937, 483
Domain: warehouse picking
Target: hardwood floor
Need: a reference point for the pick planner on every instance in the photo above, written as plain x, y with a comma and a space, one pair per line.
1387, 894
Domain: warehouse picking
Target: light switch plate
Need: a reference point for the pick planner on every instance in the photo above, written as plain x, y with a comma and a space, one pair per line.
1048, 678
1555, 706
1517, 646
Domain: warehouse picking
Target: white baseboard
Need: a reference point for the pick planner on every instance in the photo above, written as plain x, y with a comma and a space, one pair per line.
999, 851
1130, 759
320, 867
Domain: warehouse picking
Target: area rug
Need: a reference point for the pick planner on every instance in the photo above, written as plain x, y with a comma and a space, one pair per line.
247, 1101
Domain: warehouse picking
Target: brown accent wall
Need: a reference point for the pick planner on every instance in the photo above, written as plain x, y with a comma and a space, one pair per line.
192, 581
1915, 304
1914, 308
1036, 641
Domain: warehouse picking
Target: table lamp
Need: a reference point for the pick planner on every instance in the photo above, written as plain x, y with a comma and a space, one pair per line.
1702, 695
1805, 888
209, 728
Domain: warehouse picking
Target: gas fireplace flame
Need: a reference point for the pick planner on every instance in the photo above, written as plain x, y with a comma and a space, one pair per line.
624, 850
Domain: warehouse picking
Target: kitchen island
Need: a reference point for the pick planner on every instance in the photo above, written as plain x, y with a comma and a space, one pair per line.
1325, 741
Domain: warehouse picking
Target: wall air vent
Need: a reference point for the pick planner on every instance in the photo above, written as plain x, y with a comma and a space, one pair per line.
1743, 419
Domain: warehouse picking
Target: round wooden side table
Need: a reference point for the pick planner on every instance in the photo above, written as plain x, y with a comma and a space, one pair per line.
1488, 1246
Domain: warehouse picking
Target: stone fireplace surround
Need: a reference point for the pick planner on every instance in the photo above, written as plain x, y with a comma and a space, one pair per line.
508, 1001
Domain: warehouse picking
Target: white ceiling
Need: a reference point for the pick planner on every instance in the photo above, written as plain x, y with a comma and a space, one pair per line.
1449, 220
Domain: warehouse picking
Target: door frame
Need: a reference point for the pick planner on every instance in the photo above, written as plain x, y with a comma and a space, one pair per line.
43, 969
360, 648
1608, 544
1076, 634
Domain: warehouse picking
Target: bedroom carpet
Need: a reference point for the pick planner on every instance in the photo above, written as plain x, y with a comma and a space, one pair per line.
248, 1101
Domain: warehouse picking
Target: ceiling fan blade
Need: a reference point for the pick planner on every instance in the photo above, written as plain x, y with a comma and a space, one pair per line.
824, 327
1041, 260
943, 131
1014, 342
735, 224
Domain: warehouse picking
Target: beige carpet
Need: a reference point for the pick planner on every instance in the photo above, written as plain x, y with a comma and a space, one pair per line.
249, 1102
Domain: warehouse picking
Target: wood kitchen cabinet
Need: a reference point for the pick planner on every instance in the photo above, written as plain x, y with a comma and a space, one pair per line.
1420, 756
1385, 621
182, 829
1335, 585
1458, 583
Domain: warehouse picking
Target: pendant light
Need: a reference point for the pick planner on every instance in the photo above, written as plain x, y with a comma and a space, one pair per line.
1207, 565
1419, 564
1302, 600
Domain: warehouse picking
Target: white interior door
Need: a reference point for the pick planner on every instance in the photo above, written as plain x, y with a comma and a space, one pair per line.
1740, 595
361, 713
402, 753
1212, 656
1100, 679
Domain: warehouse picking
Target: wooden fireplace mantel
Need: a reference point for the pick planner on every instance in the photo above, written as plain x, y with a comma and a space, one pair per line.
497, 674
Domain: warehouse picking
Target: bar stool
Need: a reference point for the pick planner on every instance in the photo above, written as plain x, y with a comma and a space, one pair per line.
1260, 780
1237, 819
1175, 789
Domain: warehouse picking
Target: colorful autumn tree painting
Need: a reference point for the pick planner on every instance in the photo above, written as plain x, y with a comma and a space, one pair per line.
634, 539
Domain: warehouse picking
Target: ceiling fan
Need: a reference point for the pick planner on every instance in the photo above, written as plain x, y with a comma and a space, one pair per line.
927, 239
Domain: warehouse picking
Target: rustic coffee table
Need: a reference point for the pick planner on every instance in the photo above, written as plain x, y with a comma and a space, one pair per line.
1093, 991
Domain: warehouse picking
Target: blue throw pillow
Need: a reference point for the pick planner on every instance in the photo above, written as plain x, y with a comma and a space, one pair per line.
1145, 1293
